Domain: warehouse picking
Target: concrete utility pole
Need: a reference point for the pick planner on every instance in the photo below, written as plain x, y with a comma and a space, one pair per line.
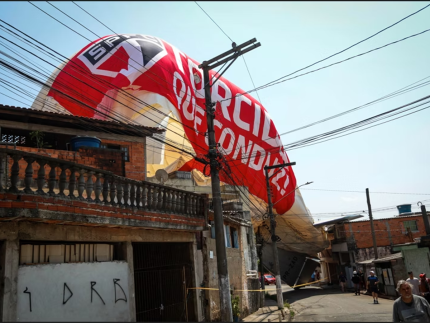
272, 231
214, 155
375, 248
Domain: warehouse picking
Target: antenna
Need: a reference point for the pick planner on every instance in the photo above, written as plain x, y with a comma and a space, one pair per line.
161, 175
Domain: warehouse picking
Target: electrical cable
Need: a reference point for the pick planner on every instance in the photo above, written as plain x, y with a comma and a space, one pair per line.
92, 77
337, 53
90, 86
324, 67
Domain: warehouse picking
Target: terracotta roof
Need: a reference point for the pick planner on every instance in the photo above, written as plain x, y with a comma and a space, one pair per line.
12, 113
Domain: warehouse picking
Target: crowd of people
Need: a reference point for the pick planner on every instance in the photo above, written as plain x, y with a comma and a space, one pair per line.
413, 303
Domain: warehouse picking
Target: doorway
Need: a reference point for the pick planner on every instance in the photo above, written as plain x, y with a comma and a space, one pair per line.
163, 274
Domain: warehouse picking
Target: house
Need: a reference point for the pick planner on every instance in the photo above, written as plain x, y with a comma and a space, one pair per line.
351, 248
83, 235
239, 242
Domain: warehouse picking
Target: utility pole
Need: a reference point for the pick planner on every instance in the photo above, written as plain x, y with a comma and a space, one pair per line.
425, 218
272, 231
260, 245
214, 155
375, 248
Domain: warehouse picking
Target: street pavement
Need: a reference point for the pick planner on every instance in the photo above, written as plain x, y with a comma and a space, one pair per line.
314, 304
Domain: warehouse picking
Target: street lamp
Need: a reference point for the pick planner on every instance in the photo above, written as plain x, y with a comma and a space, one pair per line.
307, 183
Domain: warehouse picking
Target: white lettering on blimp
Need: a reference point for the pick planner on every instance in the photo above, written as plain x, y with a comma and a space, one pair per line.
249, 153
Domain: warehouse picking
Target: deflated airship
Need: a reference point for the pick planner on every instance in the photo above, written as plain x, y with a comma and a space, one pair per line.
141, 79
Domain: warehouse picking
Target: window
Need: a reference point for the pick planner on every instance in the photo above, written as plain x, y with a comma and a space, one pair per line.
227, 236
412, 225
126, 155
13, 139
45, 253
125, 149
231, 237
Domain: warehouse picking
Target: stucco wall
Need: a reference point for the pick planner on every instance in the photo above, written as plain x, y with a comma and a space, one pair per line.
74, 292
417, 260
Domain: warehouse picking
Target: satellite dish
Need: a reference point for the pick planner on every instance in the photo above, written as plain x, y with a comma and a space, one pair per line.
161, 175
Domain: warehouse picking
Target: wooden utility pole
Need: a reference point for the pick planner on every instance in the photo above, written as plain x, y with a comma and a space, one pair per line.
214, 155
425, 218
375, 248
260, 245
272, 231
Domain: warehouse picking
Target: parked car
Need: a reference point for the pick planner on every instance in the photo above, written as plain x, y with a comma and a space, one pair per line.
269, 279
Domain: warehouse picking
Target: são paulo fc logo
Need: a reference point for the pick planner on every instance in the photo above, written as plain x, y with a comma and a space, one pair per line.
128, 54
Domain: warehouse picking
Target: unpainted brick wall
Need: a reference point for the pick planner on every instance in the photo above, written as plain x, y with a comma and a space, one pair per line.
394, 231
106, 159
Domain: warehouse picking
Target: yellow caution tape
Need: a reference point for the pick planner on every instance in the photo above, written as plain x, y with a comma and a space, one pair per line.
256, 290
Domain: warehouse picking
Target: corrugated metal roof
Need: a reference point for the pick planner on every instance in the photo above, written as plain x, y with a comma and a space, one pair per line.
389, 258
394, 217
8, 113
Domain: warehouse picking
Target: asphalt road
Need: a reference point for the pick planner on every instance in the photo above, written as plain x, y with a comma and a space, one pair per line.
331, 305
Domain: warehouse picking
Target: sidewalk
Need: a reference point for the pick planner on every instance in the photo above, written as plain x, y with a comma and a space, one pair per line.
269, 312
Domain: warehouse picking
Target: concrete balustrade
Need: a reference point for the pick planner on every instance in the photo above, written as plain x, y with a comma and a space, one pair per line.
68, 180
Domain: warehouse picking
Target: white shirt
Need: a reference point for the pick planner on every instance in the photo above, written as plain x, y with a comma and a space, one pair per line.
415, 283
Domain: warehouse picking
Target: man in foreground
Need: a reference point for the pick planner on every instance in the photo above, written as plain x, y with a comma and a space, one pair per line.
409, 307
372, 285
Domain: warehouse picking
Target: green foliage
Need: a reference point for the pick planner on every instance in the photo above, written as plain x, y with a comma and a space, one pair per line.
292, 313
235, 306
37, 137
287, 305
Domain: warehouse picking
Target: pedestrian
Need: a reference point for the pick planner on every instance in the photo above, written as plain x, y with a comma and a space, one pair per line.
362, 284
424, 286
342, 280
415, 282
313, 276
372, 284
409, 307
356, 280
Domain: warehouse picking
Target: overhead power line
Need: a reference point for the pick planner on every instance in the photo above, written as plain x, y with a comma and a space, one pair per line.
329, 190
243, 57
344, 50
324, 67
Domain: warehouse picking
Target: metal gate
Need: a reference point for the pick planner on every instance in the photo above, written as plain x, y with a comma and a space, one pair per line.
162, 274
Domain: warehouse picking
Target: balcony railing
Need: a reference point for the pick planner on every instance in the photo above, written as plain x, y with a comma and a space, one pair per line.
45, 176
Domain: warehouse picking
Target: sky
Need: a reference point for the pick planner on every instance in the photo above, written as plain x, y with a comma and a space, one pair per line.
393, 157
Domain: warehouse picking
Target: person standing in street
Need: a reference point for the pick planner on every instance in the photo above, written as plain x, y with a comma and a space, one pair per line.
372, 284
362, 284
356, 280
415, 282
342, 280
409, 307
424, 287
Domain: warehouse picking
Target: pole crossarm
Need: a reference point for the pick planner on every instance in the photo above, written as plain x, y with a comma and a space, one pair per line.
277, 166
231, 51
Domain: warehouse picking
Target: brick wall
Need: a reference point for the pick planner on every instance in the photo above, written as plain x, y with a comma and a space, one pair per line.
106, 159
135, 168
387, 231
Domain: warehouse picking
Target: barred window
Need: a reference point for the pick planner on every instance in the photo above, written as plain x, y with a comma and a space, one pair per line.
412, 225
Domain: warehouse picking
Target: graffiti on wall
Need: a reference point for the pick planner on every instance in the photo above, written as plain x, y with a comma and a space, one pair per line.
70, 293
74, 292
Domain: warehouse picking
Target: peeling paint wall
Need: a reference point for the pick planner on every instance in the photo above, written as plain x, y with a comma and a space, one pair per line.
417, 260
363, 254
74, 292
